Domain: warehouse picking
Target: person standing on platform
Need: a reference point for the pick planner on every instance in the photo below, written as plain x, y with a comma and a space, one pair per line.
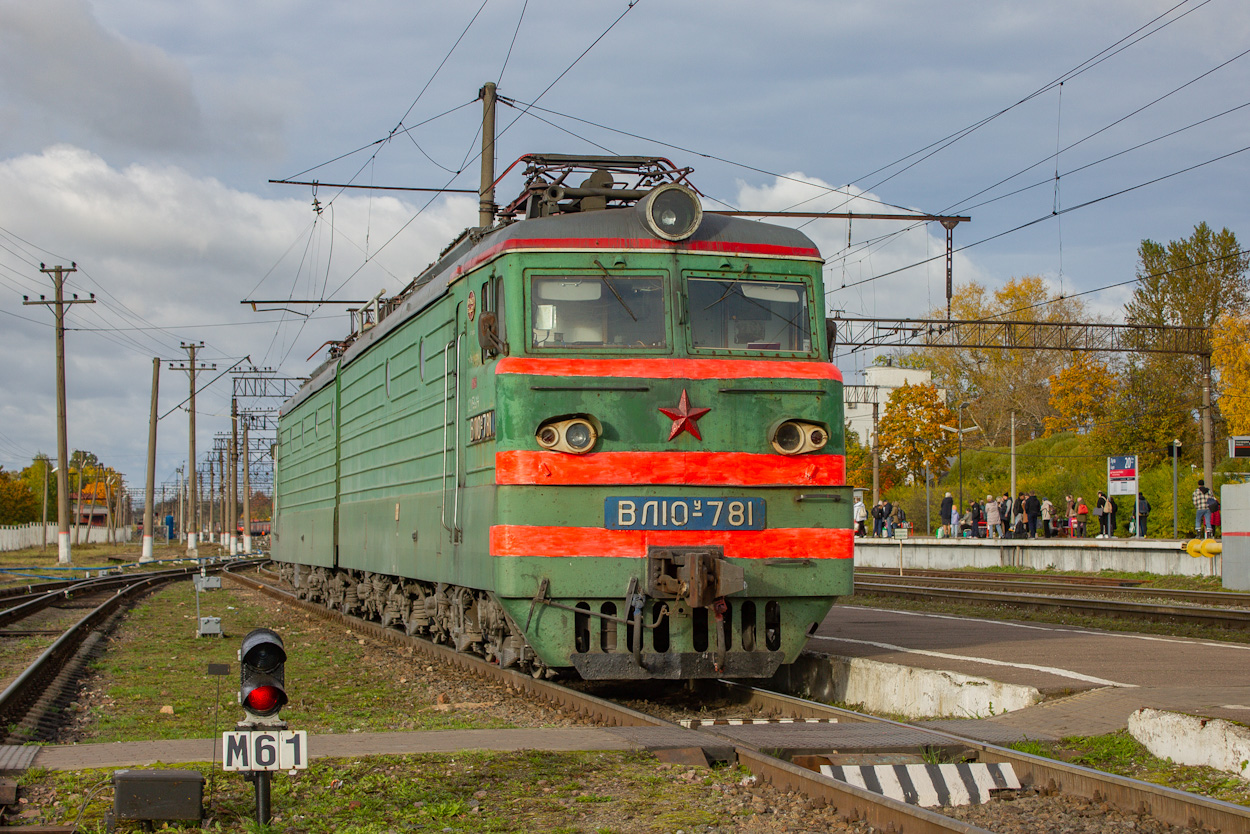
1143, 510
1082, 514
1048, 516
1109, 514
993, 518
1032, 512
1202, 509
887, 518
944, 514
1070, 516
954, 520
860, 516
1100, 510
878, 519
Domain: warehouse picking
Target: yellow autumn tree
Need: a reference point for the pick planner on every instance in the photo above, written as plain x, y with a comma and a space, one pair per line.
1230, 354
1000, 382
910, 434
1079, 395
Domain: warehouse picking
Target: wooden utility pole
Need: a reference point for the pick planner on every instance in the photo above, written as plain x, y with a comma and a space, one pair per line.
486, 201
148, 528
192, 492
57, 306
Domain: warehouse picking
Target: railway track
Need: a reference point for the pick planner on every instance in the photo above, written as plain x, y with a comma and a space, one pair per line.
1092, 586
1067, 599
62, 626
1165, 804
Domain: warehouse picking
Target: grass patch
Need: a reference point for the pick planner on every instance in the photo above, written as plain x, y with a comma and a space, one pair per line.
471, 792
1121, 754
337, 683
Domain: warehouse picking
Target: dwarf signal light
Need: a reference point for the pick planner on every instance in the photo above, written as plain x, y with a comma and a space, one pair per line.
262, 676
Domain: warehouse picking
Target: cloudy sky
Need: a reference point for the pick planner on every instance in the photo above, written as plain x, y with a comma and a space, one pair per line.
137, 139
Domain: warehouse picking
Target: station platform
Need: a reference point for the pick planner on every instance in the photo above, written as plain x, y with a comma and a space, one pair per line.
1087, 682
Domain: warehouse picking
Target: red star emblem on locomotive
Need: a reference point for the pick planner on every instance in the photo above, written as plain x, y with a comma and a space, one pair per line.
684, 417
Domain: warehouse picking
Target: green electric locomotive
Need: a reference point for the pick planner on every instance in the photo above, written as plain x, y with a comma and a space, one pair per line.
602, 434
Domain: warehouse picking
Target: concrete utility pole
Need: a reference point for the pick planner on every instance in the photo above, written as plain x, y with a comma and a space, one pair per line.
221, 467
57, 306
148, 529
192, 493
233, 498
1013, 457
46, 475
247, 492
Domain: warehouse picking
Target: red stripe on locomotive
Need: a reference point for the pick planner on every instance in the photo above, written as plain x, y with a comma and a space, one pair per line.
670, 468
512, 540
669, 368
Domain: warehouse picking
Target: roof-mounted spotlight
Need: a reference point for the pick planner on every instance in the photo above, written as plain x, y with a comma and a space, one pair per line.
671, 211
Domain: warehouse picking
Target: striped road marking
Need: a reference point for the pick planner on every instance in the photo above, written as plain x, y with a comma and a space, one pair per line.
738, 722
929, 785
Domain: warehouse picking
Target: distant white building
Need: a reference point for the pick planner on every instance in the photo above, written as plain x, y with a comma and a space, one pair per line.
879, 382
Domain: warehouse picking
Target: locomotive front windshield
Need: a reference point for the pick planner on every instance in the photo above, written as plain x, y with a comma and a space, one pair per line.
749, 315
598, 311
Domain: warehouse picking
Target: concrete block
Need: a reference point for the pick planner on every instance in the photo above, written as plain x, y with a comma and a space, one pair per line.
1193, 740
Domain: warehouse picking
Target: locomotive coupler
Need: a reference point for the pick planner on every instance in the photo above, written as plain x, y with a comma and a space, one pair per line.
699, 575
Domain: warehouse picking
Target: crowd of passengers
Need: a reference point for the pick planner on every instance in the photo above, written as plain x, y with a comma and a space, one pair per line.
1030, 517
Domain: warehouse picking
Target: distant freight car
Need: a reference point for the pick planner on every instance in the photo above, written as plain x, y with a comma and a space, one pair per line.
601, 434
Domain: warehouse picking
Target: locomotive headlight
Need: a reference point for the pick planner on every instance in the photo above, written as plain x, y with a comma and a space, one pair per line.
671, 211
575, 435
796, 437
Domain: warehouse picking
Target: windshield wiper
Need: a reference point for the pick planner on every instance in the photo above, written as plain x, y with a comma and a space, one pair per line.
607, 280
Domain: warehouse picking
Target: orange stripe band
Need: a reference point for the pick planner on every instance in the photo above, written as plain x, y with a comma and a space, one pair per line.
788, 543
670, 368
676, 468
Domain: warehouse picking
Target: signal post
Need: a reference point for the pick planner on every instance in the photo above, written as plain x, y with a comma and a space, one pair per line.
261, 742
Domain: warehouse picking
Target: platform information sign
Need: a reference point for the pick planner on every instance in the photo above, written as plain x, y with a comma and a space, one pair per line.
1122, 475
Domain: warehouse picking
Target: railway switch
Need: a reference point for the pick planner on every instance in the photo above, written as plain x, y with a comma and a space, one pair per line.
262, 678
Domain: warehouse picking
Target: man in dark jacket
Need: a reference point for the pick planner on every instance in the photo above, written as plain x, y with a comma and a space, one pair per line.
1143, 510
944, 513
1033, 512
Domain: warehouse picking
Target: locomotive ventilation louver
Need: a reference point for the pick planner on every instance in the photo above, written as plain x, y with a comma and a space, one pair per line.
575, 435
672, 211
795, 437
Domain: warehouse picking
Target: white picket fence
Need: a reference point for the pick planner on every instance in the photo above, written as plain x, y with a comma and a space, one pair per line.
31, 535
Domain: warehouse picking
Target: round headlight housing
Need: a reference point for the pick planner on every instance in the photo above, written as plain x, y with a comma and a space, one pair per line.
672, 211
797, 437
575, 435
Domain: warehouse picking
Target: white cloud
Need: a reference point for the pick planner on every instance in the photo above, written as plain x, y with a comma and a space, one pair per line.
162, 248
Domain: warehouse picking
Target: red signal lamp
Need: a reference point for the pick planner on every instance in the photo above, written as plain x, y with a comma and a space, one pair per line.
262, 675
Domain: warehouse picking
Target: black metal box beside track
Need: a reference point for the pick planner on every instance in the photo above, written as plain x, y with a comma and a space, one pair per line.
158, 795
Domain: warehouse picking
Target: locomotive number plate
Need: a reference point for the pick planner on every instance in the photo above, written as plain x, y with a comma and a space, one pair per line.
683, 513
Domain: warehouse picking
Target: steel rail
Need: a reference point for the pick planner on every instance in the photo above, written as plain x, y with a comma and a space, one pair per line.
851, 802
1229, 599
1220, 617
46, 598
1166, 804
25, 691
1083, 580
